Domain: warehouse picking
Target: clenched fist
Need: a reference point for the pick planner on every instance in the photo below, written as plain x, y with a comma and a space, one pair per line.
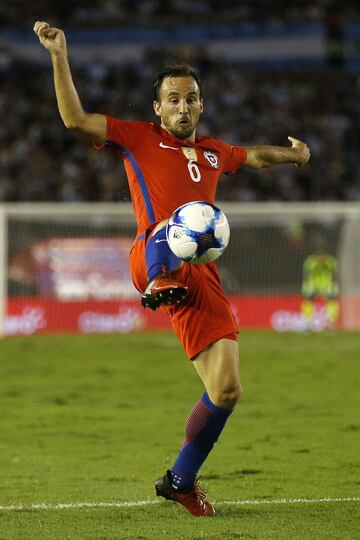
53, 39
301, 152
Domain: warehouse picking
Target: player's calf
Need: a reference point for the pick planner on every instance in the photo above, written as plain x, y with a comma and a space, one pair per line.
162, 289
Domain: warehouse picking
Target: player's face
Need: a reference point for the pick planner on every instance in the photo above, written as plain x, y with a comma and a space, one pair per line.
179, 106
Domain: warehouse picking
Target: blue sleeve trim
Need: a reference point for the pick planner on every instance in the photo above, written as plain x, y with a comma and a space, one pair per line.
140, 179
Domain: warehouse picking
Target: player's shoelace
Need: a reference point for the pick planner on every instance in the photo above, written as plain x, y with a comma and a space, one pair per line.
197, 503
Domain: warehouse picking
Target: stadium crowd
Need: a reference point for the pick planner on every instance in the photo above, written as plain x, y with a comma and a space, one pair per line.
42, 161
100, 13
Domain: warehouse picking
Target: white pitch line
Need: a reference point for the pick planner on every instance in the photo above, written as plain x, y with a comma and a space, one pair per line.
253, 502
65, 506
131, 504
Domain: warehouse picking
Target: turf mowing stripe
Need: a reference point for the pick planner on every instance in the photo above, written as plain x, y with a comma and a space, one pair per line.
131, 504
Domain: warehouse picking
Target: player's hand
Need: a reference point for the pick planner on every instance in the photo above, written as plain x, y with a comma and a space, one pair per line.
53, 39
301, 152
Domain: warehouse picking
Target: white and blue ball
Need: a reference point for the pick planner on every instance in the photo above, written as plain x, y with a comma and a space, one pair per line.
198, 232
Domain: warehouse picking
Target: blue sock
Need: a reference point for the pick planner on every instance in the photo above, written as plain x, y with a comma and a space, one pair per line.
202, 430
159, 257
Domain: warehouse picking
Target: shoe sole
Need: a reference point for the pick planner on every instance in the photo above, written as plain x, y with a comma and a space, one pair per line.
170, 297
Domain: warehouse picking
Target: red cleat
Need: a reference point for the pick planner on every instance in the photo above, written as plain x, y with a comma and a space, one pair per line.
163, 290
193, 499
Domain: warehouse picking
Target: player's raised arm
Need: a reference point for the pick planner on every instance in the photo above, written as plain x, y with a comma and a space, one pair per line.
266, 156
69, 104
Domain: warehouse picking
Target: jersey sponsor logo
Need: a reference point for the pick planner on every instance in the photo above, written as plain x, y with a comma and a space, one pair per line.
162, 145
212, 159
189, 153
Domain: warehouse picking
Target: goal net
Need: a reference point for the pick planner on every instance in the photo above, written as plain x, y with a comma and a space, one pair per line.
289, 267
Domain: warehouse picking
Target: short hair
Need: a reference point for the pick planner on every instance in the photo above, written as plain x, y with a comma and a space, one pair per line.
175, 70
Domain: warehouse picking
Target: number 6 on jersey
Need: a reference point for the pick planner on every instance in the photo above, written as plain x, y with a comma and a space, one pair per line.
194, 171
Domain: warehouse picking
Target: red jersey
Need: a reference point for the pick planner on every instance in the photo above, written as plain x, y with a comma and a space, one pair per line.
165, 172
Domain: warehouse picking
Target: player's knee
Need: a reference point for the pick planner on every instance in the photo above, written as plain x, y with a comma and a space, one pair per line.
228, 396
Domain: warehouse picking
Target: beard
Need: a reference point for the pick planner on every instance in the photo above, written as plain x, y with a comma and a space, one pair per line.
180, 131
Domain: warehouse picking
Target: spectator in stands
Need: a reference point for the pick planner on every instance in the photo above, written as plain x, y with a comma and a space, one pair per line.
256, 107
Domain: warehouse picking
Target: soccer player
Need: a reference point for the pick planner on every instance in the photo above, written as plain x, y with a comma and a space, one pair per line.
167, 165
320, 282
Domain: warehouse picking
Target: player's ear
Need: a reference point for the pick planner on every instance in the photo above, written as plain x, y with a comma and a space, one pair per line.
201, 105
157, 108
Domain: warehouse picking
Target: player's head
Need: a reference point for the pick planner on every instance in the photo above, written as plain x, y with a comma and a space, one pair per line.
178, 101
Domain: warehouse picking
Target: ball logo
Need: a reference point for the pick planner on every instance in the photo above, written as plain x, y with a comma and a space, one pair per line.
212, 159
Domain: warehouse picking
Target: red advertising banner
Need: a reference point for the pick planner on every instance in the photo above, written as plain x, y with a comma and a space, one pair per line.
83, 285
76, 269
27, 316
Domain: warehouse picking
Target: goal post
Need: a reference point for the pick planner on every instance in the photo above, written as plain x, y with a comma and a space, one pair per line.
3, 268
349, 257
65, 267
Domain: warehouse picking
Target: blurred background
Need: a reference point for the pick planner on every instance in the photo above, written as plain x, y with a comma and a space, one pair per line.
269, 70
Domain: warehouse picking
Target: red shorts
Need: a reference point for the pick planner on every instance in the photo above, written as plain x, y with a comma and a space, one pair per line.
205, 315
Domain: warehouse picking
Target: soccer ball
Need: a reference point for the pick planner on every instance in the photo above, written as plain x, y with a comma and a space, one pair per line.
198, 232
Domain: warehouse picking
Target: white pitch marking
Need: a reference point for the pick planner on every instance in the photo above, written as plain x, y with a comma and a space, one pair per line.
131, 504
253, 502
65, 506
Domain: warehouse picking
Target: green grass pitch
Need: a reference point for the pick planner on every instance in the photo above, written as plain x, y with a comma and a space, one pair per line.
97, 419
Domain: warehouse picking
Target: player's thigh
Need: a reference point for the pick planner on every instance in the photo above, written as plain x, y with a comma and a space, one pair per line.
218, 368
205, 316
